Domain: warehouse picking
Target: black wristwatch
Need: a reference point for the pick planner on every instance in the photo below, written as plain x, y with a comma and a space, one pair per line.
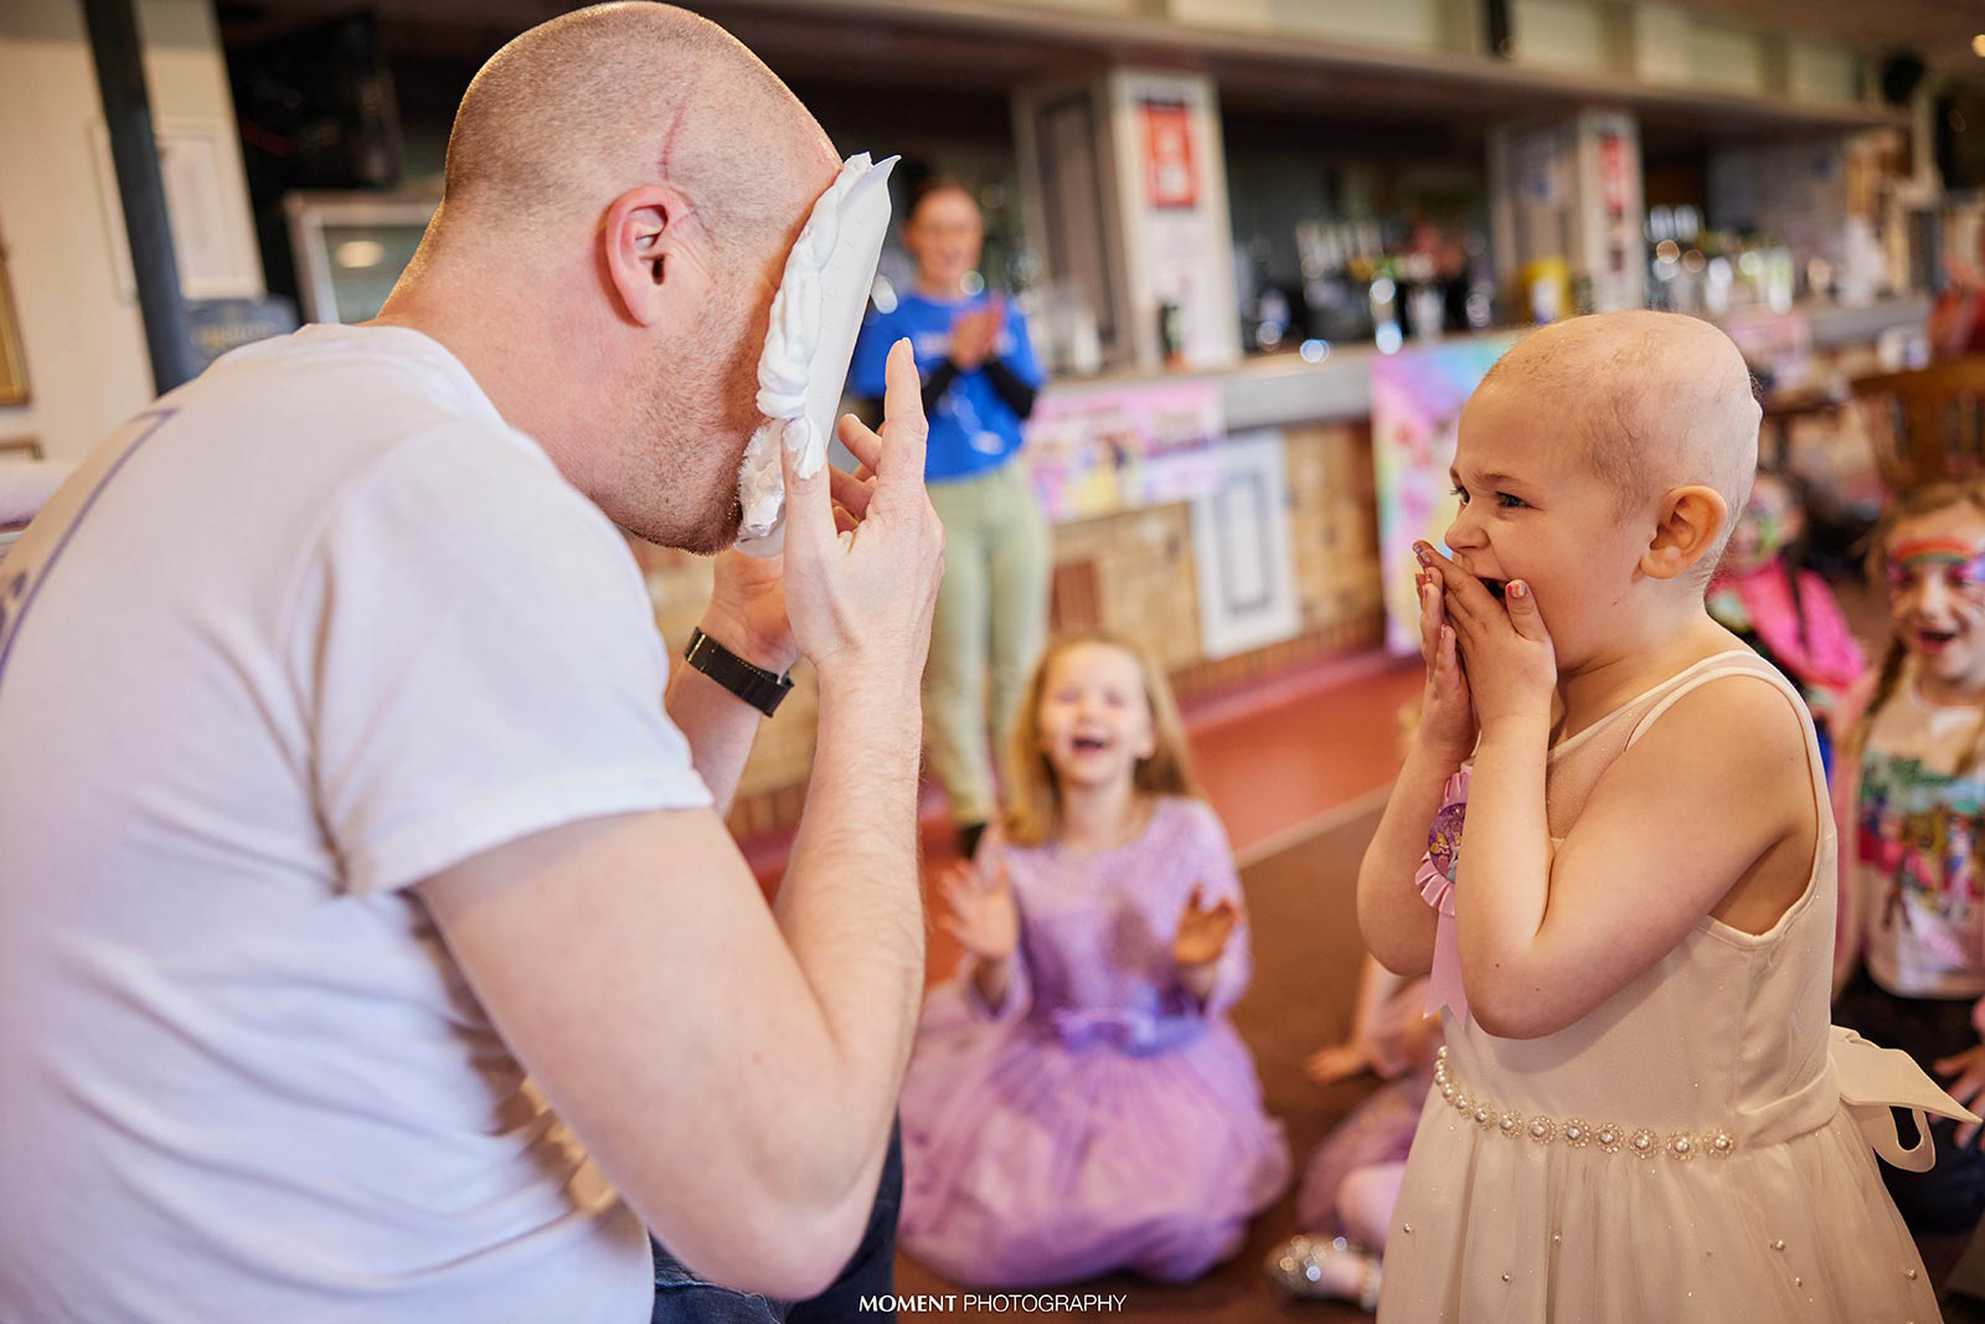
762, 689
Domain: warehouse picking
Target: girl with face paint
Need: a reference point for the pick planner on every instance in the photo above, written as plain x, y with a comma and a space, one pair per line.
1912, 921
1765, 595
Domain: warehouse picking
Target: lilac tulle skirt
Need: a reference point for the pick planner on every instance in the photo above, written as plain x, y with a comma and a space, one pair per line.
1075, 1142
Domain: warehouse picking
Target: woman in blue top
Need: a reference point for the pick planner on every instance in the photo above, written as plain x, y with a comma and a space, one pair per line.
980, 380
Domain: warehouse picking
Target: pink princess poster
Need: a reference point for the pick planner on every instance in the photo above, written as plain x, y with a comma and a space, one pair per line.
1416, 405
1099, 450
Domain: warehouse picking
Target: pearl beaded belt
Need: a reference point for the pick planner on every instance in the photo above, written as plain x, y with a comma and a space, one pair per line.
1574, 1132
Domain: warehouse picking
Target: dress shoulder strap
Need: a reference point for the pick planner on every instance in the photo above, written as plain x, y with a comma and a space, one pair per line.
1578, 764
1727, 664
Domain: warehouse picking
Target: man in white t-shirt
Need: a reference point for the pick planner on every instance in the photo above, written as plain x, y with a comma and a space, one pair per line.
338, 790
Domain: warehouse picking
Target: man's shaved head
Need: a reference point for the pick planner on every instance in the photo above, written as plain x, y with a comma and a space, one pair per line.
599, 100
1659, 400
624, 184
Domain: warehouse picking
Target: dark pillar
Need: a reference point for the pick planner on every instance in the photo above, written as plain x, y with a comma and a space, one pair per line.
127, 110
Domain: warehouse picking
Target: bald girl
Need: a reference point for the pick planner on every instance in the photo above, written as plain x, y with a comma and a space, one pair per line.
1625, 439
1656, 401
399, 812
1599, 466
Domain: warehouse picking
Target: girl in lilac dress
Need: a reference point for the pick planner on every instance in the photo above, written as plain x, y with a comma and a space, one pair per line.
1077, 1102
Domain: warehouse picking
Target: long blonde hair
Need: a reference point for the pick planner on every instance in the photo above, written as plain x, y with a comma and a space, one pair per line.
1912, 504
1033, 813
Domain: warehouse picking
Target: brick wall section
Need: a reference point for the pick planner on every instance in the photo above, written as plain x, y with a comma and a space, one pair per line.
1146, 586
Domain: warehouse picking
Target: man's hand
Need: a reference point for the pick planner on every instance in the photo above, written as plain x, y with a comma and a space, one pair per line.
865, 551
747, 612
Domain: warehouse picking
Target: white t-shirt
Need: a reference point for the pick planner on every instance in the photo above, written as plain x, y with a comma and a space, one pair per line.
312, 628
1919, 837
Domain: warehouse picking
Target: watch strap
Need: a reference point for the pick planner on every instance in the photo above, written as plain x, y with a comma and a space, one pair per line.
762, 689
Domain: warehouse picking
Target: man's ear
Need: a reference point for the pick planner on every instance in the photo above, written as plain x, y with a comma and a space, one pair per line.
1688, 525
643, 251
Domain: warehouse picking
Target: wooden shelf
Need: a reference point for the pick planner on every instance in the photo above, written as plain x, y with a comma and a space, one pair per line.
985, 44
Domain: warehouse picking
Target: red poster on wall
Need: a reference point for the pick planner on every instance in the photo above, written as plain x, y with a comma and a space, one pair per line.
1613, 181
1171, 177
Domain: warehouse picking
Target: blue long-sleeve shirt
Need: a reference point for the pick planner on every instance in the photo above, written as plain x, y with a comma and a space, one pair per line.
973, 430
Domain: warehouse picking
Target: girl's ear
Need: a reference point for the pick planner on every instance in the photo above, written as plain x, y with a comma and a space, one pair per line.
1691, 520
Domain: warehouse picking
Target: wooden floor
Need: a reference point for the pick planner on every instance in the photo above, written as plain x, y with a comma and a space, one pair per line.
1298, 772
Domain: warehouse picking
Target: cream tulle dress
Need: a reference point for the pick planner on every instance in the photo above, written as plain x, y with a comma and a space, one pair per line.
1701, 1147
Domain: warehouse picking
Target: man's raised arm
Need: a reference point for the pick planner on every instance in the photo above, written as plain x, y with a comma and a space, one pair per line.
735, 1070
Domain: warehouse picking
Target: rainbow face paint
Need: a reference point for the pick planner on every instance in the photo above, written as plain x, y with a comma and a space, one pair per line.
1960, 566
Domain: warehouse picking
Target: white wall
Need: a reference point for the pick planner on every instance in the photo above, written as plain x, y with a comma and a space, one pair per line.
1565, 34
1416, 24
1097, 6
1660, 44
1727, 58
1822, 71
83, 337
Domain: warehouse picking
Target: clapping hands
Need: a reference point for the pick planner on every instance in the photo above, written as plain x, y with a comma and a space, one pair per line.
1203, 933
975, 335
984, 917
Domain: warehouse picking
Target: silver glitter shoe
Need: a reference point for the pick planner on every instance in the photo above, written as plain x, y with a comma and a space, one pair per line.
1296, 1266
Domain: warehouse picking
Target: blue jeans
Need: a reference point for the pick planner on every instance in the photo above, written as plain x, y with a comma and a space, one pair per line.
683, 1298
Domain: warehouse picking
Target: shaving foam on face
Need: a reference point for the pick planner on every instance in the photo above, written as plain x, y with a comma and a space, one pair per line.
816, 316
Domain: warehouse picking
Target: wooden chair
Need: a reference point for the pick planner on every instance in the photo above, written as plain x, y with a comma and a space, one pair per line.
1929, 425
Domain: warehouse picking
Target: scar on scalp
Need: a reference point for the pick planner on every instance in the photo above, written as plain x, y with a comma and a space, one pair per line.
675, 127
664, 162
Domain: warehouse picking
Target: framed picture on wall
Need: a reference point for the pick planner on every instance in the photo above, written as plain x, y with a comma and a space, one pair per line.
13, 357
213, 234
1240, 543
